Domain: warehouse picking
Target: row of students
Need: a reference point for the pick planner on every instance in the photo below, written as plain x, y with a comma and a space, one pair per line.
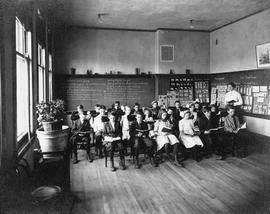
175, 128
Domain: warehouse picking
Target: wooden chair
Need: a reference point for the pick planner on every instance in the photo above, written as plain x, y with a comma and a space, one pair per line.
106, 150
142, 150
81, 145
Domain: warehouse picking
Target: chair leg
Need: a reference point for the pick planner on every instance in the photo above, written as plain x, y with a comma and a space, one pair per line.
106, 158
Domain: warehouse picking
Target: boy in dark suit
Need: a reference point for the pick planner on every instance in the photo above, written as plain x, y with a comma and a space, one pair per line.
136, 109
113, 137
210, 135
155, 110
139, 136
117, 111
234, 133
80, 132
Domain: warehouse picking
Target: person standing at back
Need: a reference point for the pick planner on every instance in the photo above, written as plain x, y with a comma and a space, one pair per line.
234, 98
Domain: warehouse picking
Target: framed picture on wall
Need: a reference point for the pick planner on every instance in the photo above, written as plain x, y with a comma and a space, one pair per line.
263, 55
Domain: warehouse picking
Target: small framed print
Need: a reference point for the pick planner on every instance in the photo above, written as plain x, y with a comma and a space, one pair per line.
263, 55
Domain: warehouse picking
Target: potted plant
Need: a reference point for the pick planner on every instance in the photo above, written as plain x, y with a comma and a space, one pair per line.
50, 114
52, 135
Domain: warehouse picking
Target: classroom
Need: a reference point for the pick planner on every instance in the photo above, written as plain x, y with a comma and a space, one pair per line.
135, 106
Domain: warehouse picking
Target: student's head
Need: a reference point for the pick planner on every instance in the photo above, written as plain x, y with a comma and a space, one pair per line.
102, 110
136, 106
116, 104
192, 107
154, 104
139, 117
164, 115
231, 110
186, 114
112, 117
204, 105
207, 111
177, 104
214, 108
127, 110
197, 105
170, 111
97, 107
147, 112
231, 86
80, 109
103, 106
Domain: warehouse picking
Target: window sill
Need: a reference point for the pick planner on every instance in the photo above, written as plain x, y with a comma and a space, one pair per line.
24, 147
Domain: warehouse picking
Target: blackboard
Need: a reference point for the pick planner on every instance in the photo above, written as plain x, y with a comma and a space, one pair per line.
89, 90
253, 85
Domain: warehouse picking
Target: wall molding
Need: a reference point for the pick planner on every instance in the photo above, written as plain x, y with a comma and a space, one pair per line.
135, 29
238, 20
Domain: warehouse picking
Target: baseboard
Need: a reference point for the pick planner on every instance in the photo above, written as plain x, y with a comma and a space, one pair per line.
259, 143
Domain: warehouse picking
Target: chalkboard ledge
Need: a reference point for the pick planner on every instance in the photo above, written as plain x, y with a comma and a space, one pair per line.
262, 116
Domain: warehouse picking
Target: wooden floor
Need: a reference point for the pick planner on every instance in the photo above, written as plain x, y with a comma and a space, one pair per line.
211, 186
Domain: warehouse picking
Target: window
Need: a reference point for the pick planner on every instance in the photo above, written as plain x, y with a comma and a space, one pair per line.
50, 77
41, 74
24, 82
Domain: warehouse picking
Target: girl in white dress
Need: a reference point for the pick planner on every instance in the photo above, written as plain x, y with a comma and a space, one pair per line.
188, 136
164, 137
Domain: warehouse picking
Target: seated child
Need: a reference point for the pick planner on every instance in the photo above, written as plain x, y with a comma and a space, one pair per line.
189, 136
234, 132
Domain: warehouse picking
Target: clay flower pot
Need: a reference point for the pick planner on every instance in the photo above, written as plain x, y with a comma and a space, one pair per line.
53, 141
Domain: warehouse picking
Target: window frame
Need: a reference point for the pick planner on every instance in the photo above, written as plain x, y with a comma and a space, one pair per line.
42, 74
24, 50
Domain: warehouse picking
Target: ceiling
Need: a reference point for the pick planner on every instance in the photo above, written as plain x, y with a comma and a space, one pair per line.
153, 14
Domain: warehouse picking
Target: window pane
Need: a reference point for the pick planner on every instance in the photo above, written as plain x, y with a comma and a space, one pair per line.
29, 44
17, 35
22, 97
50, 76
50, 85
40, 84
31, 113
44, 84
20, 42
39, 54
50, 62
43, 57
